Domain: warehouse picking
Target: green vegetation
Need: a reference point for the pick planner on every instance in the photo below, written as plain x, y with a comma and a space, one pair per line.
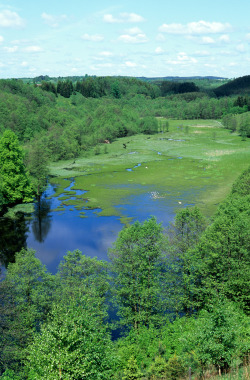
182, 298
207, 164
172, 301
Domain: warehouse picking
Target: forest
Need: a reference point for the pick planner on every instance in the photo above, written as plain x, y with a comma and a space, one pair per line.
168, 304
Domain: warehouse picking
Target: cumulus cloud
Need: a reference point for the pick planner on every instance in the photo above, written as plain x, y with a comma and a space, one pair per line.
208, 40
202, 53
241, 48
11, 49
195, 28
224, 38
160, 37
106, 54
182, 59
53, 21
130, 64
92, 37
122, 18
139, 38
134, 30
33, 49
9, 19
159, 50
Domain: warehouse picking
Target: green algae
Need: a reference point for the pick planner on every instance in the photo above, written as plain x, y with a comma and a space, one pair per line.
168, 161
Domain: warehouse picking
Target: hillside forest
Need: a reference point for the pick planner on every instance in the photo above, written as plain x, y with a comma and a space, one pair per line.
168, 304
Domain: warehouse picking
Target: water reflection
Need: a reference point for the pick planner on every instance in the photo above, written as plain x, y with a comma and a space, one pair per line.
42, 218
13, 235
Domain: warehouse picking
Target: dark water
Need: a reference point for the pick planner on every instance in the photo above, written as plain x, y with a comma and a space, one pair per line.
53, 233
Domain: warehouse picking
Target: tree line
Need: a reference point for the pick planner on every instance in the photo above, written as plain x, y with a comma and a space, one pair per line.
165, 302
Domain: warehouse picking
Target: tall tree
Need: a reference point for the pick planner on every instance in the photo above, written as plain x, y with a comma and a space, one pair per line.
26, 296
38, 166
15, 183
74, 344
137, 264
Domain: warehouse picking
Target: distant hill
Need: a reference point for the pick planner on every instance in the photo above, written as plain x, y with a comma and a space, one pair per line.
238, 86
176, 78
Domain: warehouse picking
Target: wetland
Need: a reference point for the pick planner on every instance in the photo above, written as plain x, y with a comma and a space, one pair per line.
90, 199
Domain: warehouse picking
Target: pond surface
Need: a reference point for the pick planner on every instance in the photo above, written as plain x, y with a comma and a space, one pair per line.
53, 233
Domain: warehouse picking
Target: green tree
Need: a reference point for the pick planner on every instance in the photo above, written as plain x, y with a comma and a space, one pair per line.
136, 261
183, 234
221, 334
74, 344
26, 297
38, 166
132, 371
15, 184
81, 274
220, 261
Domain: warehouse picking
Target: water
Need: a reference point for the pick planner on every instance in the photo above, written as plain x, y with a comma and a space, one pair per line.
53, 233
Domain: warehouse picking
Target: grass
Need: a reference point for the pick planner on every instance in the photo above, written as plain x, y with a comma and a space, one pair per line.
195, 154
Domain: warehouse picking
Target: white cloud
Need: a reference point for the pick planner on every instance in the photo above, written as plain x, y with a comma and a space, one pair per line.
134, 30
210, 65
12, 49
106, 54
182, 59
130, 64
9, 19
241, 48
159, 50
33, 49
160, 37
1, 39
135, 39
53, 21
202, 53
248, 37
24, 64
92, 37
224, 38
122, 18
200, 27
208, 40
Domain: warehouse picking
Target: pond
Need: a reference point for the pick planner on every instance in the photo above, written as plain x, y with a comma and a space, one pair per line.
52, 233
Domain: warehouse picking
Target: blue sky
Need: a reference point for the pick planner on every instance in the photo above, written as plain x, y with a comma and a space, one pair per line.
132, 38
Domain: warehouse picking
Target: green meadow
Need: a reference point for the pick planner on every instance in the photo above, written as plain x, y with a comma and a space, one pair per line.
197, 154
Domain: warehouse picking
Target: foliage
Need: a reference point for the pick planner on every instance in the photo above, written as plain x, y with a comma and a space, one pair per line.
38, 166
74, 344
132, 371
136, 262
221, 258
15, 184
221, 332
26, 295
236, 86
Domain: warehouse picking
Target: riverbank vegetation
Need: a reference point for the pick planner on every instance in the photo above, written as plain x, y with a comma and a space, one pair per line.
167, 303
181, 301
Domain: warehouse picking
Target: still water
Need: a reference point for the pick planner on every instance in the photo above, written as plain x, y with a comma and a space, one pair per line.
53, 233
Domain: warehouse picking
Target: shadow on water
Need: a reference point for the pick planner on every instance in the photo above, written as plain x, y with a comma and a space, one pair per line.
42, 217
13, 235
52, 233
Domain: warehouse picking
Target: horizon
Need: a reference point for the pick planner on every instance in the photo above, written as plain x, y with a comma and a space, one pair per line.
136, 39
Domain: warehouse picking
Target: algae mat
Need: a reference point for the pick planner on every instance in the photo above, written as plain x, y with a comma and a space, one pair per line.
195, 158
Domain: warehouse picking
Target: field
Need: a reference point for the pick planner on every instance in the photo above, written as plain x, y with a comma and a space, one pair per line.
198, 156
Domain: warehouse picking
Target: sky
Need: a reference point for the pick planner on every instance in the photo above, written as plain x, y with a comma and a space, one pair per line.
128, 38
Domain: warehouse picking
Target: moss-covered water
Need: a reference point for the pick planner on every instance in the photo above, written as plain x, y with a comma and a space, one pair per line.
90, 199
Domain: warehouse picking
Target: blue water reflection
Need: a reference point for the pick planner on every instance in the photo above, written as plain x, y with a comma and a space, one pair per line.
94, 234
